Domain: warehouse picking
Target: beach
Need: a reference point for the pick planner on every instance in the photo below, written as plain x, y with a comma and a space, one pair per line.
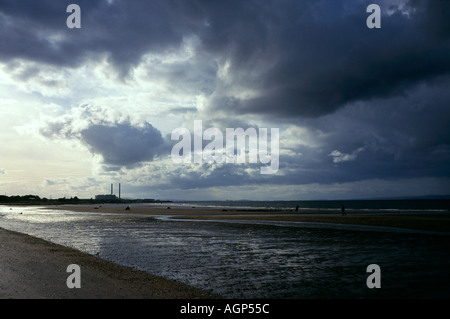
223, 253
32, 268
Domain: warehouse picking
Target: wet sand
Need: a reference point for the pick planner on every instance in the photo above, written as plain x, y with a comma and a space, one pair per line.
430, 223
427, 221
33, 268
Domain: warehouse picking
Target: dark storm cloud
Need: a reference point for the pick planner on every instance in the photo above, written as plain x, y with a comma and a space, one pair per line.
321, 55
119, 142
386, 138
391, 138
36, 30
123, 144
306, 58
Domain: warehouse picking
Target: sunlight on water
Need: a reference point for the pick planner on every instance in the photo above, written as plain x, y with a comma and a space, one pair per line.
42, 215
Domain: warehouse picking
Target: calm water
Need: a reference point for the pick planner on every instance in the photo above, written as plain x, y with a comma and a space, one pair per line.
243, 260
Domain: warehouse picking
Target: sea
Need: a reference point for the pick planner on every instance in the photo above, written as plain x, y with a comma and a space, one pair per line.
358, 206
261, 259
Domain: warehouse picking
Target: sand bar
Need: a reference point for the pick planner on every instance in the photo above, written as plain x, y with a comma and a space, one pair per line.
439, 222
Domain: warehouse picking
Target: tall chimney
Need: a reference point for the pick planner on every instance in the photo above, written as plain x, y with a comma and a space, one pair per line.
111, 189
119, 190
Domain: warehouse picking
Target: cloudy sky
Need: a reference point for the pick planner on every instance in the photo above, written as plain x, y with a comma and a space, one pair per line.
361, 112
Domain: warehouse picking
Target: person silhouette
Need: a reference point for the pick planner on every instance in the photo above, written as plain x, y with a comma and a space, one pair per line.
343, 210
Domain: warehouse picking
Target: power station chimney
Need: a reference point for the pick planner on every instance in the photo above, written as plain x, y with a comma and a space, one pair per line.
112, 189
119, 190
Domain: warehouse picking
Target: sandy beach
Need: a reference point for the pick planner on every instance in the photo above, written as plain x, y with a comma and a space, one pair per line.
33, 268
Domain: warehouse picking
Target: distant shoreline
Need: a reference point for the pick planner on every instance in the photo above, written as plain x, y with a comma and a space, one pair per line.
32, 200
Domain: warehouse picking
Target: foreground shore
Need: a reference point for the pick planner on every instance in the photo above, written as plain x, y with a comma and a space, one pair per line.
32, 268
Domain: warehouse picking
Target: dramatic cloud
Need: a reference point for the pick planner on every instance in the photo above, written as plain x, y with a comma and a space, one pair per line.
37, 31
308, 59
386, 138
118, 142
123, 144
288, 58
354, 105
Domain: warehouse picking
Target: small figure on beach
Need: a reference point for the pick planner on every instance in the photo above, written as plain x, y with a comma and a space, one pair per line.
343, 210
128, 208
296, 208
